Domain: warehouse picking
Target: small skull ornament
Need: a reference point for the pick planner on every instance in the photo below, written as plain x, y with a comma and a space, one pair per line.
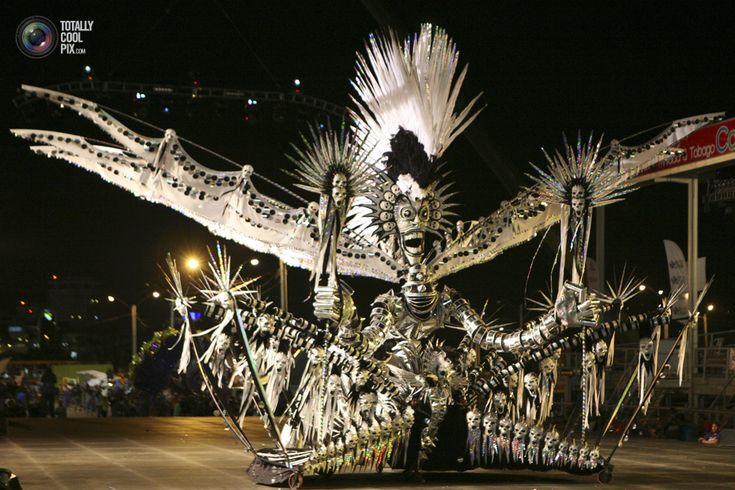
563, 449
520, 431
499, 401
573, 452
578, 200
530, 381
266, 324
489, 424
281, 362
551, 441
600, 350
548, 366
646, 347
366, 403
594, 458
505, 426
535, 435
473, 421
513, 382
584, 452
339, 188
334, 385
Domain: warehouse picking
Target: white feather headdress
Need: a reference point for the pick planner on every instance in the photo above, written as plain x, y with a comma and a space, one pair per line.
411, 85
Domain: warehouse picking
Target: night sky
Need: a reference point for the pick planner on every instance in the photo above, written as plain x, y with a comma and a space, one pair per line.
543, 68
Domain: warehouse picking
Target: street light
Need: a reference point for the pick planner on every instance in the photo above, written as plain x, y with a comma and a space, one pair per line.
156, 294
710, 307
192, 263
111, 299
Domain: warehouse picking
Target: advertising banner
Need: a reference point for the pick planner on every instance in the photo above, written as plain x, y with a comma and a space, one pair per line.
711, 144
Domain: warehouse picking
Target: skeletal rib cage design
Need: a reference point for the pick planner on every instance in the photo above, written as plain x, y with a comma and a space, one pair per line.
385, 391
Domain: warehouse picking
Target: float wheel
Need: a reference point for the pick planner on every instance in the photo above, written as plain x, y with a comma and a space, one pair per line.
295, 481
605, 476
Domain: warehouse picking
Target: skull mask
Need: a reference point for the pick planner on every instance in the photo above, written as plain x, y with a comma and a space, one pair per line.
579, 200
513, 382
266, 324
412, 220
584, 451
600, 350
334, 385
499, 401
548, 366
574, 451
551, 441
339, 188
505, 426
530, 381
594, 458
489, 424
473, 421
366, 403
646, 348
535, 435
563, 448
520, 430
280, 363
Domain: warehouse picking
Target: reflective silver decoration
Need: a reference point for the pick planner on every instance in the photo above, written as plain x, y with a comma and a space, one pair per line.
375, 391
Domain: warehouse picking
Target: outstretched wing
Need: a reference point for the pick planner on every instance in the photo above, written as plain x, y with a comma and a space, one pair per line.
161, 171
520, 219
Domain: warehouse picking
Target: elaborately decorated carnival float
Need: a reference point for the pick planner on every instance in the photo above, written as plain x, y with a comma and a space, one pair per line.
386, 390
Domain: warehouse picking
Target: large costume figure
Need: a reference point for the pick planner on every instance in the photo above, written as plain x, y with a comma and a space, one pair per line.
386, 390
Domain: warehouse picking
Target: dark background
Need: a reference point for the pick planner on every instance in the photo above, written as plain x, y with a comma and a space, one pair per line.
544, 68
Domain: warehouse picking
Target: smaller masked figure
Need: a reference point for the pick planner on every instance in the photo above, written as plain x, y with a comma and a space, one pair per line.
535, 437
531, 396
573, 455
520, 431
547, 384
562, 454
473, 435
646, 368
489, 438
505, 429
551, 446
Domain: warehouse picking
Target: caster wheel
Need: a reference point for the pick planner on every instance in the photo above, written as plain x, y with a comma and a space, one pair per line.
295, 481
605, 476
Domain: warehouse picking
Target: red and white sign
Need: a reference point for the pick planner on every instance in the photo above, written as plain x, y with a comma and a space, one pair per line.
709, 145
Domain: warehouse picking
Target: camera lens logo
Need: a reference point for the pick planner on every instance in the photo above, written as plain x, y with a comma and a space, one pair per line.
36, 37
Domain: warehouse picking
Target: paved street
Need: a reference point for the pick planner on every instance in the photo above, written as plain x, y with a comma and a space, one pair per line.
197, 453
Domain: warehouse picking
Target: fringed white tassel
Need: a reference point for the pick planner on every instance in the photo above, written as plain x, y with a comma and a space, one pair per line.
186, 336
520, 389
682, 353
611, 350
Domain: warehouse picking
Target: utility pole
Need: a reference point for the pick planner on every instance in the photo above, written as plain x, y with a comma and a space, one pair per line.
692, 256
134, 327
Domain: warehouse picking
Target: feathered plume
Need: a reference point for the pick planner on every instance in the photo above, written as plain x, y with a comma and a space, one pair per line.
411, 85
